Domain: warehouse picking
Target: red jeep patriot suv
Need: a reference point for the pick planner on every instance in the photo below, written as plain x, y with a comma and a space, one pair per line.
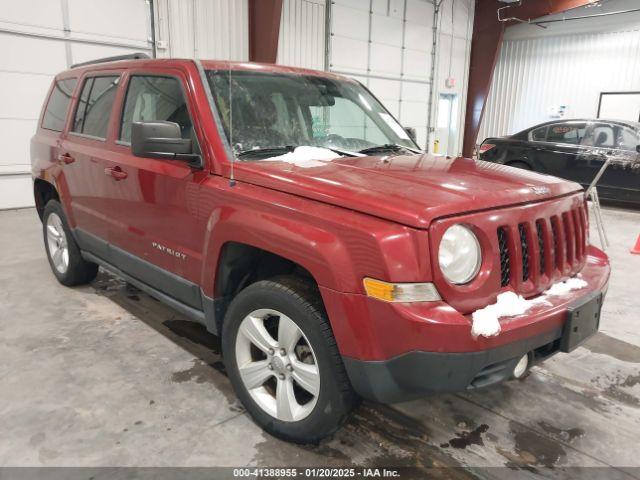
289, 212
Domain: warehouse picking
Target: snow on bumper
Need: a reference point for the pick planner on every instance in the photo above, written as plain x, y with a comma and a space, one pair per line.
486, 321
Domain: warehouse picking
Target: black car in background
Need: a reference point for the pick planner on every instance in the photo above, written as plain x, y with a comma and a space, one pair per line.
575, 150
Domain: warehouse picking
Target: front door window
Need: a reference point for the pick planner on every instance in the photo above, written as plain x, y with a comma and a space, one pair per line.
155, 98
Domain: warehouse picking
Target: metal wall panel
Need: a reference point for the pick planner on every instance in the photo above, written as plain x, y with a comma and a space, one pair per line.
211, 29
302, 34
455, 27
536, 75
40, 38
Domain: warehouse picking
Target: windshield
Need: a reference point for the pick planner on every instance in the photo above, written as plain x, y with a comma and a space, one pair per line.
270, 111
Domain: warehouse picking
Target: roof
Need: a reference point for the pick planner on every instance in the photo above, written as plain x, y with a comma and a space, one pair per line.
126, 62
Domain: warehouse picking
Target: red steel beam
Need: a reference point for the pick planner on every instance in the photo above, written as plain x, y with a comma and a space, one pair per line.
532, 9
485, 46
264, 28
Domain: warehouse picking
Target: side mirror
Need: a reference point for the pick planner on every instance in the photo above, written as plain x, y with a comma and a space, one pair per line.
161, 140
411, 132
638, 148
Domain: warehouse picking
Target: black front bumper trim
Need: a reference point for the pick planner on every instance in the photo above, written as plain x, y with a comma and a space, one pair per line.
416, 374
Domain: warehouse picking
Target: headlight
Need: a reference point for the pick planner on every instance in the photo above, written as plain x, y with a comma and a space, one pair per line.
459, 255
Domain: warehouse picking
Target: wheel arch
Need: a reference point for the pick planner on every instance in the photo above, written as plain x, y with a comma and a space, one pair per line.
43, 191
241, 264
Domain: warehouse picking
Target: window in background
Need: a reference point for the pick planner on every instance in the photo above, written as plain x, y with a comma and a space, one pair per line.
599, 135
627, 139
566, 133
539, 134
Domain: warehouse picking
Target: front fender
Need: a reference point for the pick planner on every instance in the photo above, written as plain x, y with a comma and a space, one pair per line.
337, 246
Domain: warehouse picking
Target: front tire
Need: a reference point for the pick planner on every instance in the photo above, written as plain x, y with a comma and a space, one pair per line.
62, 250
283, 361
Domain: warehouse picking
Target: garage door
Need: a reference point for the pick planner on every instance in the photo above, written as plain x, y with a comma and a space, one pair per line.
40, 38
387, 46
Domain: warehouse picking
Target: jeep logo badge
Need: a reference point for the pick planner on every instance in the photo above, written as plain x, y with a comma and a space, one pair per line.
540, 190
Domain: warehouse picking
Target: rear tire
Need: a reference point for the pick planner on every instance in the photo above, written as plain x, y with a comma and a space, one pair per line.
266, 317
62, 250
521, 165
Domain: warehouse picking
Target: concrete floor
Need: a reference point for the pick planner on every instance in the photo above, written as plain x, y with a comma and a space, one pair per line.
103, 376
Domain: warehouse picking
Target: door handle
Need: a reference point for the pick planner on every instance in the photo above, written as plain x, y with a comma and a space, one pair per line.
65, 159
116, 172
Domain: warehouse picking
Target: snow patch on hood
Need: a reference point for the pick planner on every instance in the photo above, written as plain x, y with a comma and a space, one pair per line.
305, 157
509, 304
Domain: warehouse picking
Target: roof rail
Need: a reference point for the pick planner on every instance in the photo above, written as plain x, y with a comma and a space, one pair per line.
131, 56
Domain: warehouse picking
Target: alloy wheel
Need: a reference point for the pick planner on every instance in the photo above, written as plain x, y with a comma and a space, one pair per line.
277, 365
57, 242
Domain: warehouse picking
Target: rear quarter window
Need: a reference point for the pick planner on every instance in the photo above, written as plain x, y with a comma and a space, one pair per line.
55, 113
539, 134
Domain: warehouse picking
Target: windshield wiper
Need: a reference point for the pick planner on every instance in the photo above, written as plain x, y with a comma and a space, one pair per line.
388, 147
266, 151
348, 153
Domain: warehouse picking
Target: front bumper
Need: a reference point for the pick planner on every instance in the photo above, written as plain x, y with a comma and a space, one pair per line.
416, 374
395, 352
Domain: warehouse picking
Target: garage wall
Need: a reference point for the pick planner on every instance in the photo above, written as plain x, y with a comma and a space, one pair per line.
568, 64
40, 38
212, 29
301, 41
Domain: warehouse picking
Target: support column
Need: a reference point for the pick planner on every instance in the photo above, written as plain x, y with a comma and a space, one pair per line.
264, 29
485, 46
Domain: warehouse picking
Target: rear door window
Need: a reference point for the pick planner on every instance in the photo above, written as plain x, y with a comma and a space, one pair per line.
603, 136
600, 135
55, 113
153, 98
94, 107
566, 133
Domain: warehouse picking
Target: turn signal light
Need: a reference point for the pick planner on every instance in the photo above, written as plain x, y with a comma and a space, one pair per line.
400, 292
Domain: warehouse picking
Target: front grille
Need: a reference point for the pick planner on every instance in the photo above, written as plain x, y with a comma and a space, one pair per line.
550, 248
505, 268
539, 231
569, 236
556, 242
524, 245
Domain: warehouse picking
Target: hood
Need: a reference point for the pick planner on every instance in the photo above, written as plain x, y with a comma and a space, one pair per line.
410, 189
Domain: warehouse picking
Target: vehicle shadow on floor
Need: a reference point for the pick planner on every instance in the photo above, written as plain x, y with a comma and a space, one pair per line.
375, 435
510, 425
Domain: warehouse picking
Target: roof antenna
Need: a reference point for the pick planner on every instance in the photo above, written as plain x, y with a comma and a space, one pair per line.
232, 178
